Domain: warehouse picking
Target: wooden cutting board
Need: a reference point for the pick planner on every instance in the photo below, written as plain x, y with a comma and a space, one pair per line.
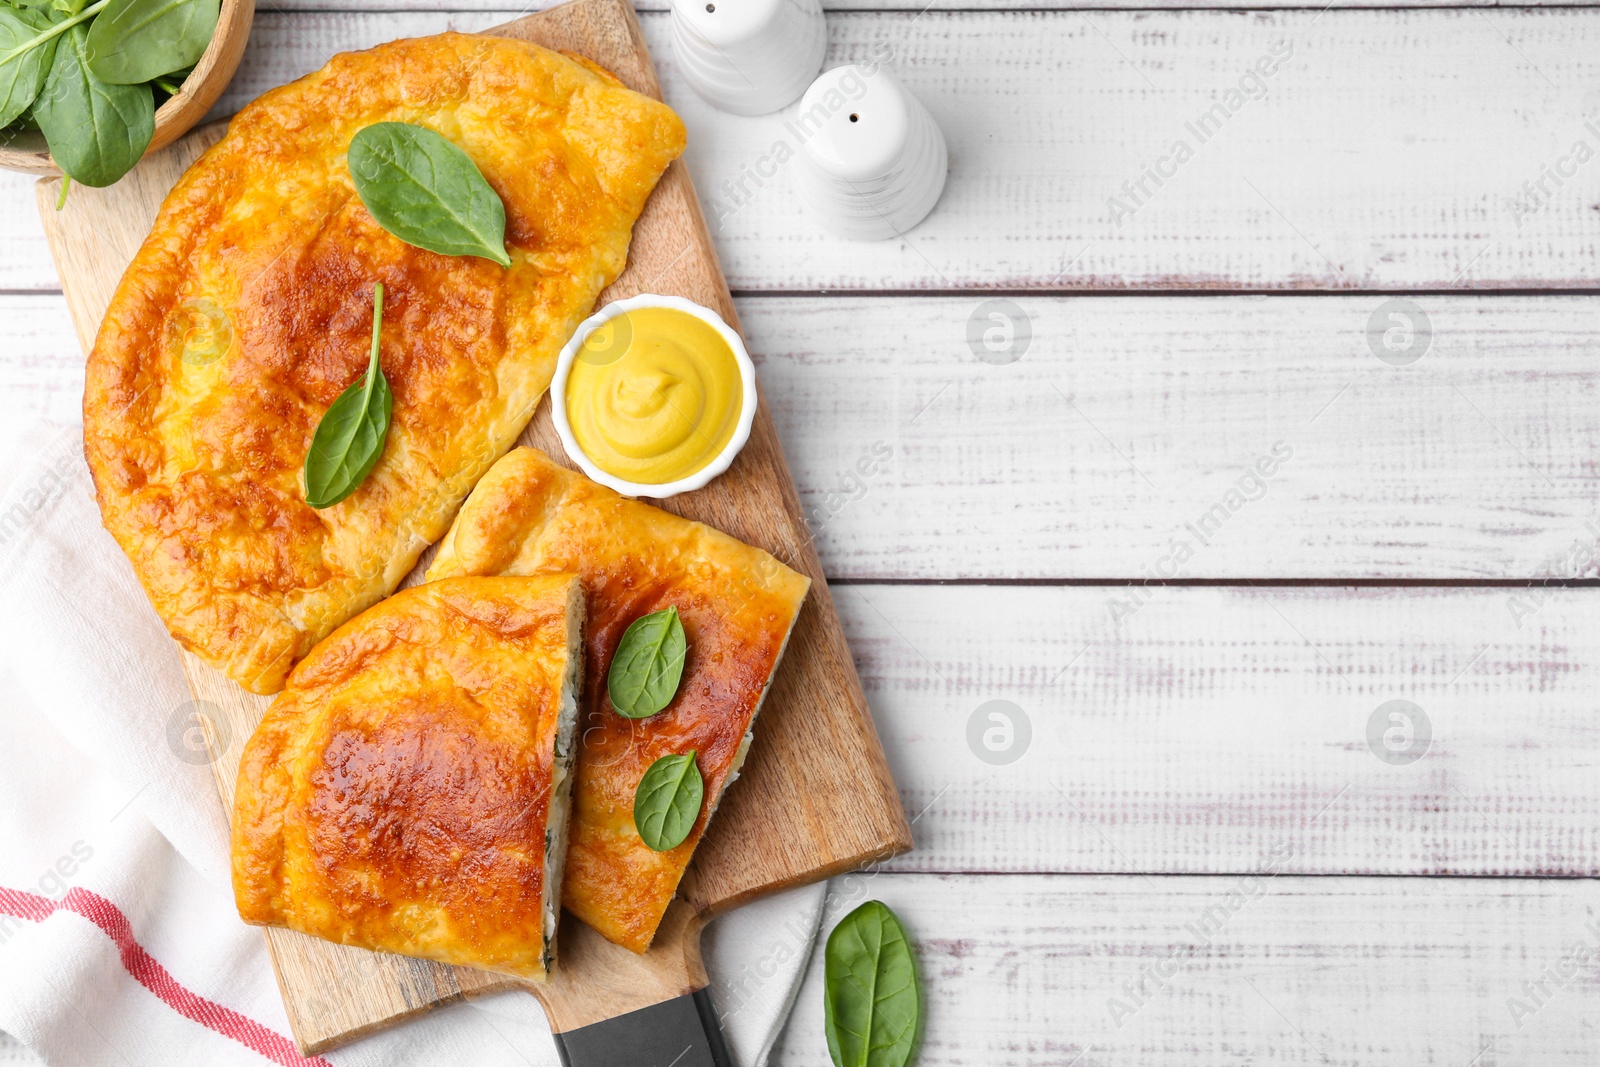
816, 797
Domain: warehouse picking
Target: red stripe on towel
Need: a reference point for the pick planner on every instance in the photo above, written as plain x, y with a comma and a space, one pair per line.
154, 977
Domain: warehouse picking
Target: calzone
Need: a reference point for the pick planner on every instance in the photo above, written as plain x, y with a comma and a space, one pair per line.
738, 605
249, 309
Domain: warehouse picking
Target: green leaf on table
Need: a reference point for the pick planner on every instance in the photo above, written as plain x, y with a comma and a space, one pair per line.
427, 192
667, 802
135, 41
872, 1006
648, 664
22, 75
96, 131
350, 437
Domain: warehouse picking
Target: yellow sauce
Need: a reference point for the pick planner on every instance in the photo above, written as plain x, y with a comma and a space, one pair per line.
654, 395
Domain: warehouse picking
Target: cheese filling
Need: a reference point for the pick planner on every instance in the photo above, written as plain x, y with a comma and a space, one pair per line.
556, 820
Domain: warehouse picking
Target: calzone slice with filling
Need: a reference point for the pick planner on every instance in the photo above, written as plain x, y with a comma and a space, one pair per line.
249, 309
408, 790
738, 604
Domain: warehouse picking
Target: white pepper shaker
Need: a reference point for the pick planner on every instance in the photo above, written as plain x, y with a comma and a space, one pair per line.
873, 161
749, 57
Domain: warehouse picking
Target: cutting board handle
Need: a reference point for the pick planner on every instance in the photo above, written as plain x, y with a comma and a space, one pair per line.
681, 1032
610, 1007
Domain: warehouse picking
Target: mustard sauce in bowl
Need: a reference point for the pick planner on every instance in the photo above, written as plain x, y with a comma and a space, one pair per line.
654, 396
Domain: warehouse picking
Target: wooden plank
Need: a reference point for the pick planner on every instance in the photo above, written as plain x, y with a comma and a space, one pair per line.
24, 256
1048, 113
1474, 462
1190, 734
510, 7
817, 798
1130, 427
41, 365
1345, 972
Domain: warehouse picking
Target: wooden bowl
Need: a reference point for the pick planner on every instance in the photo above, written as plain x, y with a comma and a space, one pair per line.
28, 153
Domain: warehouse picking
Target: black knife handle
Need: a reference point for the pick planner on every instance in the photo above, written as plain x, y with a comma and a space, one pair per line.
681, 1032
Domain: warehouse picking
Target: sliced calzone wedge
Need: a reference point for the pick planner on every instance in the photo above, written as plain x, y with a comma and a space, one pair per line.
408, 790
529, 515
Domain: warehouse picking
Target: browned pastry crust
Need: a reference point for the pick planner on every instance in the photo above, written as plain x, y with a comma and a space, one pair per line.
264, 249
406, 791
531, 516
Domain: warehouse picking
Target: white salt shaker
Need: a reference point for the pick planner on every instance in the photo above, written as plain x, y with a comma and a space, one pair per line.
872, 162
749, 57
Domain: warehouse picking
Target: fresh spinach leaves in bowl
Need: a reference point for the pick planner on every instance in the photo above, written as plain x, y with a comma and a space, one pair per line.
87, 75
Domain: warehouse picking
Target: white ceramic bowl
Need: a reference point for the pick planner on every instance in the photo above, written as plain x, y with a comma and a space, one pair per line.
697, 480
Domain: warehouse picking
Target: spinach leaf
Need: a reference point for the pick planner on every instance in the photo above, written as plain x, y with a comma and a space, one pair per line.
350, 437
648, 664
872, 1007
668, 801
21, 76
43, 19
60, 7
427, 192
137, 41
96, 132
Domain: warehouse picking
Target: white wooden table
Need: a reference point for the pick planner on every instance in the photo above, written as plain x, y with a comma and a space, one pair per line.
1198, 856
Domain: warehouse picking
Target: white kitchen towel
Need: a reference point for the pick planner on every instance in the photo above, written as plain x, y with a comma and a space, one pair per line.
119, 943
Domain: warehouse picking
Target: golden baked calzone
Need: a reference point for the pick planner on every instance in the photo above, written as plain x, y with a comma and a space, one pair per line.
408, 789
737, 603
249, 308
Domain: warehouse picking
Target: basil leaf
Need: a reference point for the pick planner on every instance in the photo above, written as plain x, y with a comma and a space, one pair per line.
872, 1007
96, 132
667, 802
350, 437
21, 75
135, 41
648, 664
427, 192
